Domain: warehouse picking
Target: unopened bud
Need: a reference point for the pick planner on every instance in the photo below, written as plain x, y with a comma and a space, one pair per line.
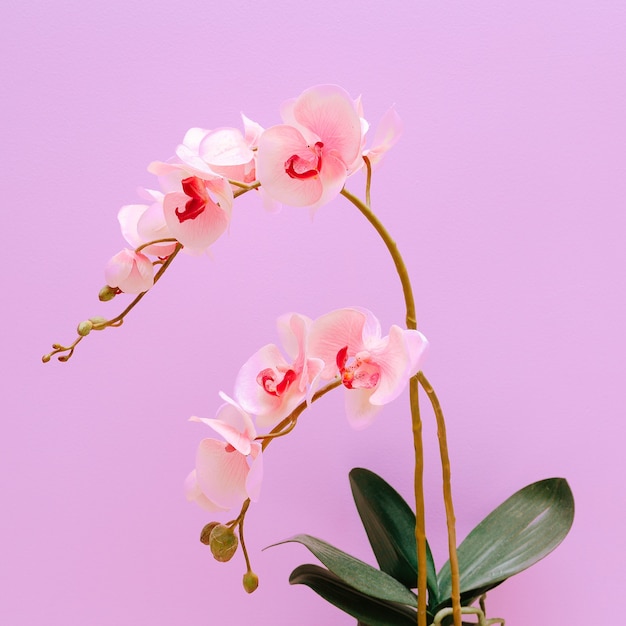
250, 582
84, 328
223, 543
98, 322
45, 358
205, 533
107, 293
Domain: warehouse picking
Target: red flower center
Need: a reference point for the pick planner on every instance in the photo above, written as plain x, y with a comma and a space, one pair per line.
297, 166
267, 378
195, 188
357, 372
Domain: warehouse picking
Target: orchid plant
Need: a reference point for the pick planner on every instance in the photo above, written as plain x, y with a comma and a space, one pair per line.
306, 162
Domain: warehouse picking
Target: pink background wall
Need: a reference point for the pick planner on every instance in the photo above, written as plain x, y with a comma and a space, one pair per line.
506, 196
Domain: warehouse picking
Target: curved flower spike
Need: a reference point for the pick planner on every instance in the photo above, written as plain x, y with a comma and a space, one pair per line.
305, 162
374, 368
270, 386
227, 472
130, 272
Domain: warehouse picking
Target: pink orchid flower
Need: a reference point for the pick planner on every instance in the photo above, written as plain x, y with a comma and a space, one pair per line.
270, 386
224, 151
142, 223
374, 368
197, 209
130, 272
306, 160
227, 472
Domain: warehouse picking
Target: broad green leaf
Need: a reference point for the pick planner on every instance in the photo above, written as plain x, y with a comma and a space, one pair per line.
390, 526
521, 531
363, 577
368, 610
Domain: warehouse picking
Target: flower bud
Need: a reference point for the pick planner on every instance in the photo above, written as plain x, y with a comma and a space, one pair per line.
84, 328
250, 582
107, 293
205, 533
223, 543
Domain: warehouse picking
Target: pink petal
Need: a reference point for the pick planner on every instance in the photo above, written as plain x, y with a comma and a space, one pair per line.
130, 271
199, 233
255, 475
248, 392
393, 359
332, 332
417, 345
276, 146
252, 131
359, 410
387, 134
193, 493
221, 474
329, 112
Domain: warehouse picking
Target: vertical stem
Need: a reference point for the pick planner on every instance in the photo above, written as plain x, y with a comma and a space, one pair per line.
420, 507
447, 497
411, 323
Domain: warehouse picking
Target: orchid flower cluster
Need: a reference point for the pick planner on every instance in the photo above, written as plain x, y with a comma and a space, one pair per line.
303, 162
344, 346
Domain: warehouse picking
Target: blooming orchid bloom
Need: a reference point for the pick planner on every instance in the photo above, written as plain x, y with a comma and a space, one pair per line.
270, 386
227, 472
373, 368
224, 151
197, 211
142, 223
306, 160
130, 272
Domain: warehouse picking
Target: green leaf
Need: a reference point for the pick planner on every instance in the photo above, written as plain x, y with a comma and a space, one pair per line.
368, 610
521, 531
390, 526
363, 577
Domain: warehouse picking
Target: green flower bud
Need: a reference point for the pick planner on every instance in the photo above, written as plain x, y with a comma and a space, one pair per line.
223, 543
250, 582
107, 293
98, 321
205, 534
84, 328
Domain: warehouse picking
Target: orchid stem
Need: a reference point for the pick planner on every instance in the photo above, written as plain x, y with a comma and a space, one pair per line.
118, 319
447, 497
411, 323
289, 423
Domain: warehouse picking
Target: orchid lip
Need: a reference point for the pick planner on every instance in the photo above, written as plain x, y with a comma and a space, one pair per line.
267, 379
294, 165
194, 188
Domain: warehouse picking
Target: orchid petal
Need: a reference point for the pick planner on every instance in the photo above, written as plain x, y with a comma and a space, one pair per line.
392, 357
276, 146
329, 112
387, 134
129, 271
193, 493
255, 475
199, 233
359, 410
221, 473
331, 333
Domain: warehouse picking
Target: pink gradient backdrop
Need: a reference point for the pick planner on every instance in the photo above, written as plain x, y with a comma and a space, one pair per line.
506, 196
